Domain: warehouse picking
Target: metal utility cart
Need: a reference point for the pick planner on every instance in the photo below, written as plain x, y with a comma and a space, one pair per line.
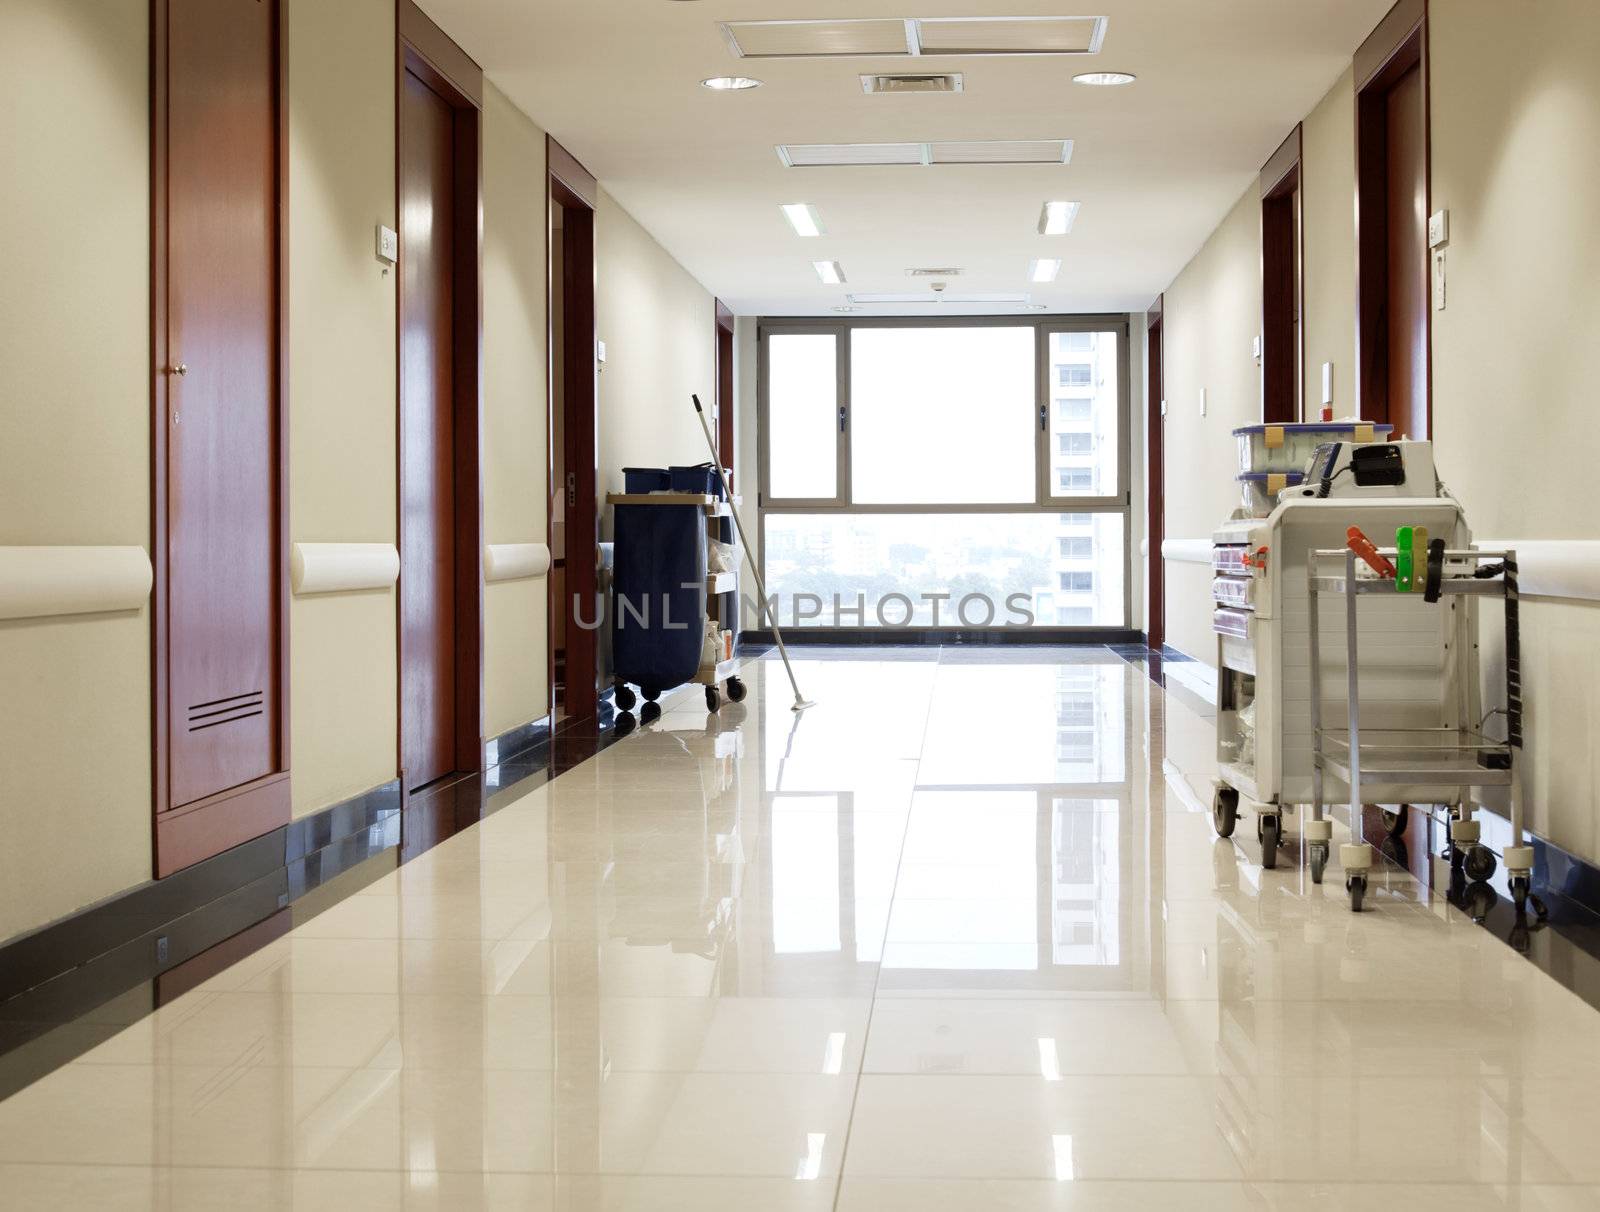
665, 594
1439, 764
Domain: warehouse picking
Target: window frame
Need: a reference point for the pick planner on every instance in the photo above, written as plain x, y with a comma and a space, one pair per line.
1046, 499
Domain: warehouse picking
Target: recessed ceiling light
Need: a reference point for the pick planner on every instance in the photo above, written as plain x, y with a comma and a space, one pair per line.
1044, 270
723, 84
1057, 217
803, 218
1035, 306
829, 272
1104, 79
845, 309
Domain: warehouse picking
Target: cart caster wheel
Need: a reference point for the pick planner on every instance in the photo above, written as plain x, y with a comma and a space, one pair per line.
1224, 810
1356, 886
736, 690
650, 712
1319, 861
1521, 888
1479, 863
1394, 823
1477, 900
651, 694
625, 697
1268, 830
625, 724
713, 699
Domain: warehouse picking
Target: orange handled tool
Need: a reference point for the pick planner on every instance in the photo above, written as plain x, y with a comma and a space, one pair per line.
1363, 547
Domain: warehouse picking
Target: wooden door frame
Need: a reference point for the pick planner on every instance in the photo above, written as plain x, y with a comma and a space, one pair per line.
1282, 299
574, 187
1155, 623
726, 387
1399, 43
426, 51
218, 822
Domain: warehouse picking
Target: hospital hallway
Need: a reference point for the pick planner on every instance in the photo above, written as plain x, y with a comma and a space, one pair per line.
958, 936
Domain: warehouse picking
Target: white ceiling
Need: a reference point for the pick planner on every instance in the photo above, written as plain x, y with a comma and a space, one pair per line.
1156, 164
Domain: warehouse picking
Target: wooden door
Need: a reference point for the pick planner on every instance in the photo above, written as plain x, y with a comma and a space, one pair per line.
1406, 225
221, 379
427, 448
1155, 486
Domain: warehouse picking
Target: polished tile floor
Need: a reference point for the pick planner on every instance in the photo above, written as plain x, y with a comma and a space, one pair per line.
958, 937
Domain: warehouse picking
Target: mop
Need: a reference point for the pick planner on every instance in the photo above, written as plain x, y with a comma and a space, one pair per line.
800, 703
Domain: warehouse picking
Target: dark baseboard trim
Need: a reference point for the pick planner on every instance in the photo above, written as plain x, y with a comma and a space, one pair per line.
941, 637
145, 912
515, 740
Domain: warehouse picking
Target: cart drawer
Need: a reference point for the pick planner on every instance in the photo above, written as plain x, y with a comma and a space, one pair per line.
1228, 620
1229, 561
1238, 592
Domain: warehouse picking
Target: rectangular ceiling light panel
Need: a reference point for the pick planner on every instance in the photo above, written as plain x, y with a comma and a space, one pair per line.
817, 39
804, 219
911, 37
977, 151
1056, 218
1010, 35
1003, 151
931, 298
829, 271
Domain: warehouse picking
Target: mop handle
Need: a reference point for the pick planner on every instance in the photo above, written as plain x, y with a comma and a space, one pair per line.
761, 589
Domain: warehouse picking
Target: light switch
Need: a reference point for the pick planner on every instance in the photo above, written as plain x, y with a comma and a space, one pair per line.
1438, 228
388, 244
600, 352
1327, 382
1163, 406
1255, 347
1202, 401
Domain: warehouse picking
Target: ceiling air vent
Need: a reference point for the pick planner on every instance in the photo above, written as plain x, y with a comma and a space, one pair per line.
934, 273
981, 151
949, 83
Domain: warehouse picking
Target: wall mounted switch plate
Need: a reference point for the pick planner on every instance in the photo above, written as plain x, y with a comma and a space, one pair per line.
388, 244
1438, 228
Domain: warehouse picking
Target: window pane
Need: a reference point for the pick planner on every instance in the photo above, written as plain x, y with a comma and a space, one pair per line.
942, 415
803, 416
1084, 439
887, 570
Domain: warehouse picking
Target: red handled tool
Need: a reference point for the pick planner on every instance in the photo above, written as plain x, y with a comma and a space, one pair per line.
1363, 547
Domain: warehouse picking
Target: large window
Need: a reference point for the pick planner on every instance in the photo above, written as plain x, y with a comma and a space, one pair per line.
948, 474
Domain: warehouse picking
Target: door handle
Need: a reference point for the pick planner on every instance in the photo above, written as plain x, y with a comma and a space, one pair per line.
182, 368
841, 418
1044, 419
572, 488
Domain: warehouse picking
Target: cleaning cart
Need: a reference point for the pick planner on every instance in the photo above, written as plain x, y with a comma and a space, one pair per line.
675, 587
1283, 668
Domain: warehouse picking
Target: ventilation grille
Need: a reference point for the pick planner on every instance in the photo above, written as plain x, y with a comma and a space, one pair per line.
990, 151
226, 711
916, 36
934, 273
949, 83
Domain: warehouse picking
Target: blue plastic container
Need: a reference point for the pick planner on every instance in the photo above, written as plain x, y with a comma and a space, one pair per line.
645, 479
701, 478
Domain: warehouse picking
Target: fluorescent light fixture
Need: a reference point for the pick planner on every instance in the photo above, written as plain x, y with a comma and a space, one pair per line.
803, 218
1104, 79
829, 272
727, 84
1056, 218
1044, 270
846, 309
933, 299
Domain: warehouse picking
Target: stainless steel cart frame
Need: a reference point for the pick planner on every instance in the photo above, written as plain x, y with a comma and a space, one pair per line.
1436, 765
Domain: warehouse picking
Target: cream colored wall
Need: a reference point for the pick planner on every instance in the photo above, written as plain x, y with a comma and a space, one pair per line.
658, 326
1328, 220
74, 445
343, 713
1516, 118
515, 471
1210, 315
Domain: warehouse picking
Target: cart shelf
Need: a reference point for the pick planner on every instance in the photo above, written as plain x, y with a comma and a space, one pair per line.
722, 582
1407, 756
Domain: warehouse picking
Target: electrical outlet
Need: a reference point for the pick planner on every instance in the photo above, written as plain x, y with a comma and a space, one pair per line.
1438, 279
